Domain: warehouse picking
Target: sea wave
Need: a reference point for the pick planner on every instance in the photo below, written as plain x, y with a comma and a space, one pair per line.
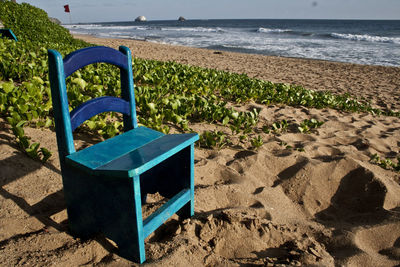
192, 29
268, 30
140, 28
366, 37
103, 27
68, 26
320, 41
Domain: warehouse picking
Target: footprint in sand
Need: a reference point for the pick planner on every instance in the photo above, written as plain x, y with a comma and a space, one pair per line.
212, 155
363, 129
258, 190
359, 194
361, 144
243, 160
382, 240
257, 205
200, 162
230, 176
261, 210
291, 171
392, 253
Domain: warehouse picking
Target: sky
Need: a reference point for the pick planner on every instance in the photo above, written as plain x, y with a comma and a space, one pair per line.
128, 10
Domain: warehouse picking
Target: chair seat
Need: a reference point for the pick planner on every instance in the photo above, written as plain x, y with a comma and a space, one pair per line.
130, 153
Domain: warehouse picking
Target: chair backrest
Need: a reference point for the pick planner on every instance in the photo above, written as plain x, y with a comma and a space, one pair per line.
60, 69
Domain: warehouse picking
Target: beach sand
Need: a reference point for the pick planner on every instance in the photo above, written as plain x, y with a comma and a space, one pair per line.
328, 205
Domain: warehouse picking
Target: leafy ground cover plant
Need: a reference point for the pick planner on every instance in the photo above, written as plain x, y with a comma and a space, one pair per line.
210, 139
33, 150
296, 147
387, 164
277, 127
307, 125
257, 142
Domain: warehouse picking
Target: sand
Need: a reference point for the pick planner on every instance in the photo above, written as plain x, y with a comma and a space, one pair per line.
328, 205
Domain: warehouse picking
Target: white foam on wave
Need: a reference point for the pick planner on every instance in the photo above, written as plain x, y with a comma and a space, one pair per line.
248, 47
192, 29
80, 32
82, 26
366, 37
268, 30
140, 28
70, 26
102, 27
106, 35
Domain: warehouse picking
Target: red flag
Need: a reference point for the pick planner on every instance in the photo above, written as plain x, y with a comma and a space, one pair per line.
66, 8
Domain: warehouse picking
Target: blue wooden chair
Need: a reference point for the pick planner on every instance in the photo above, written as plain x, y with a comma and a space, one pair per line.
105, 184
8, 33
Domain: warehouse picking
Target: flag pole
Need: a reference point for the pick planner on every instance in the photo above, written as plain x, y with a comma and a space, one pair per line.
67, 10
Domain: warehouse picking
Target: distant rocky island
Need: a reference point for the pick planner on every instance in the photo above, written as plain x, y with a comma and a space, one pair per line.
141, 19
181, 18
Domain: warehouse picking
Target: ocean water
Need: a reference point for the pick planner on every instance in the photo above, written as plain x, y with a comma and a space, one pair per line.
372, 42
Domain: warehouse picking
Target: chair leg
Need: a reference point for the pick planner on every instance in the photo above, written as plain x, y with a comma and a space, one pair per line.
139, 220
110, 206
82, 210
133, 248
187, 211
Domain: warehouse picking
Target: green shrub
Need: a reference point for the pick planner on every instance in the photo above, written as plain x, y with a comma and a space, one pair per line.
30, 23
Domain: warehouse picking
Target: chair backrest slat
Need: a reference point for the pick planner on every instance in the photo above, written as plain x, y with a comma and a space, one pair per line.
86, 56
96, 106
